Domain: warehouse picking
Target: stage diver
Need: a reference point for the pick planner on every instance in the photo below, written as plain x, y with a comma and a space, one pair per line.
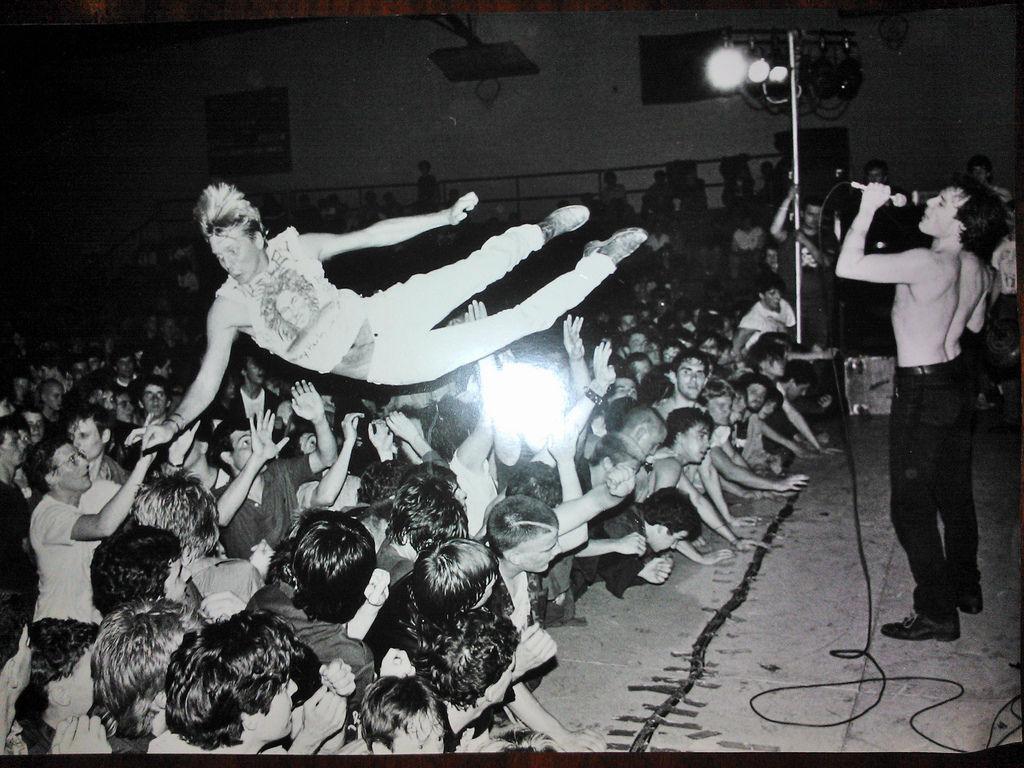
277, 293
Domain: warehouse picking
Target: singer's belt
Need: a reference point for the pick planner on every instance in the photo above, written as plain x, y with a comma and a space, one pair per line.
950, 366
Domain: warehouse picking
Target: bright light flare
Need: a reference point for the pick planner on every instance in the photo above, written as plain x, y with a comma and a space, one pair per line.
727, 69
778, 74
526, 400
758, 71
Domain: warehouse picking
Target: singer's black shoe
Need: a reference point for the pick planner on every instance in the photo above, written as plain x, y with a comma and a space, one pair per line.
918, 627
969, 601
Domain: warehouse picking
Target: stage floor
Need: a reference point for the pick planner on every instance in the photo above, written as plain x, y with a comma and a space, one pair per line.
808, 597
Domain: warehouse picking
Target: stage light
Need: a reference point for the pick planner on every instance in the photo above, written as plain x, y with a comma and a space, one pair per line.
525, 400
727, 68
778, 74
758, 70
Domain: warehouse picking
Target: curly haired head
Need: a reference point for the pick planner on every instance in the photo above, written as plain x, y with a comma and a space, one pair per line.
426, 512
226, 670
467, 656
133, 563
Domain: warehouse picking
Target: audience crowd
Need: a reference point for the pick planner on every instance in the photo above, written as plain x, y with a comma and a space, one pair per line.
329, 567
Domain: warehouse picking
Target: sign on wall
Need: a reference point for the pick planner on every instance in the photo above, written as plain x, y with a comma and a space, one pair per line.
248, 132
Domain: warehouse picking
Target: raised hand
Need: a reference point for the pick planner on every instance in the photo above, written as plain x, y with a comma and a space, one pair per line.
403, 427
338, 678
536, 647
631, 544
306, 401
562, 446
376, 591
475, 311
182, 443
152, 435
82, 735
382, 439
350, 427
656, 571
261, 431
18, 669
874, 196
319, 718
458, 212
571, 339
604, 373
620, 480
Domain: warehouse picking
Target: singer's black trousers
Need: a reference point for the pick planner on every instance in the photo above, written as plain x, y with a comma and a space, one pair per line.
930, 473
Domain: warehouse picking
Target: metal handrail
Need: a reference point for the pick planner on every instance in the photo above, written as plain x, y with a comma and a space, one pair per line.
162, 206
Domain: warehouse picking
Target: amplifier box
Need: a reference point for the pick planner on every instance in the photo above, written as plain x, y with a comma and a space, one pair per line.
869, 382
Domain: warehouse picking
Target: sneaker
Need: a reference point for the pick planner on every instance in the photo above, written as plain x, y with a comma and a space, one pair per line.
618, 246
918, 627
562, 220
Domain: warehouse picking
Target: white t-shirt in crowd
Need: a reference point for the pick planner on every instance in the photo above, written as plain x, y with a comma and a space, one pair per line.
480, 490
65, 587
253, 406
763, 320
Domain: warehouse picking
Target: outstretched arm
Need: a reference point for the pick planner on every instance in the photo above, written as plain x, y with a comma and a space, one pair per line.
389, 231
221, 329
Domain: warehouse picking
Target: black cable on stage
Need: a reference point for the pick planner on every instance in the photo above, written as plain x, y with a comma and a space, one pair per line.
992, 729
865, 652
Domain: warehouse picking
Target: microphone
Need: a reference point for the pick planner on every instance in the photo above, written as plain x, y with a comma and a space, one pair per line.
898, 200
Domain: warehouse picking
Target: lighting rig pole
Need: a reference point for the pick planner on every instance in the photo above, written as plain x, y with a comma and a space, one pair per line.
827, 88
794, 119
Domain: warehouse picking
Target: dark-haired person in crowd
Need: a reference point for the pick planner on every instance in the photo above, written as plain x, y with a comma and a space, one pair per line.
817, 249
60, 686
940, 292
229, 690
18, 574
770, 314
685, 464
657, 525
276, 291
137, 562
258, 507
402, 716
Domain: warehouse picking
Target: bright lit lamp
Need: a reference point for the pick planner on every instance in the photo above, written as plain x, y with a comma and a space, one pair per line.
778, 74
727, 69
758, 70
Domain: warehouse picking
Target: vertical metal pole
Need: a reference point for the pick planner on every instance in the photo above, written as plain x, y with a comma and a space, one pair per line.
794, 119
